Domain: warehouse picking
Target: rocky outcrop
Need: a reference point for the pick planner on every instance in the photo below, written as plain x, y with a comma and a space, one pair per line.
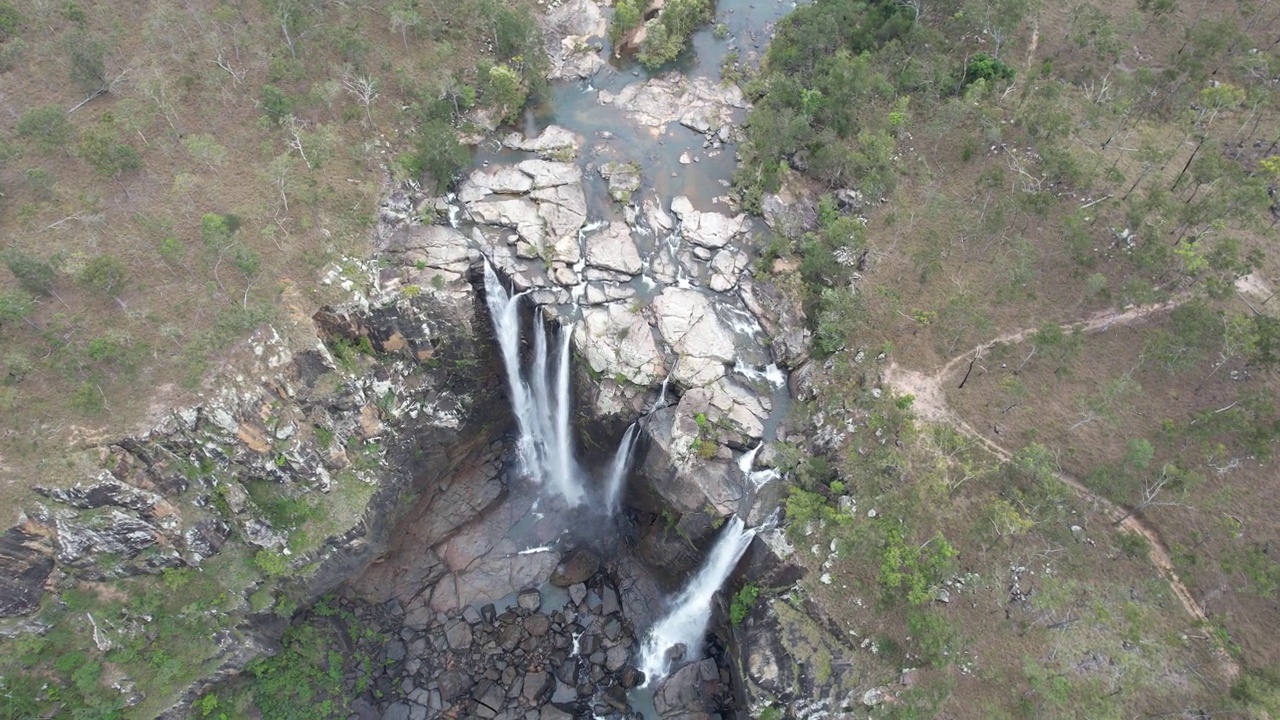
623, 177
698, 103
615, 341
613, 249
551, 139
710, 230
791, 211
690, 326
572, 30
694, 692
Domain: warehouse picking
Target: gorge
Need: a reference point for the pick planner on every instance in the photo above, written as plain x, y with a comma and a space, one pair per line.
871, 378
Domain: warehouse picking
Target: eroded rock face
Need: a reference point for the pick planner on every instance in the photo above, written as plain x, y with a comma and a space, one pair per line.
26, 559
290, 420
694, 692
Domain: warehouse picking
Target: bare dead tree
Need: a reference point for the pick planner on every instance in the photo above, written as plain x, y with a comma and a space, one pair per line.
237, 76
1151, 491
365, 90
295, 134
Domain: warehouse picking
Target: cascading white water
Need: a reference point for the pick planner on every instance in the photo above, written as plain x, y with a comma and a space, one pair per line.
504, 309
757, 477
542, 411
691, 611
618, 470
566, 474
661, 402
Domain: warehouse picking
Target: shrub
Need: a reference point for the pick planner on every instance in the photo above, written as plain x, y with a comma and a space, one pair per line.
101, 148
272, 564
915, 569
88, 64
88, 399
933, 636
10, 20
743, 601
14, 307
216, 230
986, 68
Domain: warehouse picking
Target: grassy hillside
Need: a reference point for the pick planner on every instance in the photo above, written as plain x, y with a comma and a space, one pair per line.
1024, 168
170, 171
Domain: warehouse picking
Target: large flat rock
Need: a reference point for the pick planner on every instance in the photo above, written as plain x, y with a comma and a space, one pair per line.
616, 341
614, 249
688, 323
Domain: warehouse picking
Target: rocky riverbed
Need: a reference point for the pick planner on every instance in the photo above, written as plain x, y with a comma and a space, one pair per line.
568, 651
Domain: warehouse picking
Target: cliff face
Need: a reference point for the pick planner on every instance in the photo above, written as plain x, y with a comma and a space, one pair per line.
287, 480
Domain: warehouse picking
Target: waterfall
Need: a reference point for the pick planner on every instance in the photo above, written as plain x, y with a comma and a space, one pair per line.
504, 309
691, 611
661, 402
618, 471
542, 409
757, 477
566, 475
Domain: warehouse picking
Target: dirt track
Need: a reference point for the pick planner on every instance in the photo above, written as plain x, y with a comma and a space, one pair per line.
931, 404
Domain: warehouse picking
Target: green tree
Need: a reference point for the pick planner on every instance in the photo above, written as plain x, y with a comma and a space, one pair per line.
915, 570
438, 156
668, 34
88, 67
275, 103
505, 92
47, 127
14, 308
405, 18
216, 230
34, 275
626, 16
105, 274
100, 146
984, 67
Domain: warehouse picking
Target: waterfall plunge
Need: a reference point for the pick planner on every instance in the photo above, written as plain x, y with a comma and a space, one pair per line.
541, 403
691, 611
617, 477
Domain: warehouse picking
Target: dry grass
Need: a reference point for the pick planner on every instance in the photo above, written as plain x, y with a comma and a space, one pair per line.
977, 242
186, 94
1225, 511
